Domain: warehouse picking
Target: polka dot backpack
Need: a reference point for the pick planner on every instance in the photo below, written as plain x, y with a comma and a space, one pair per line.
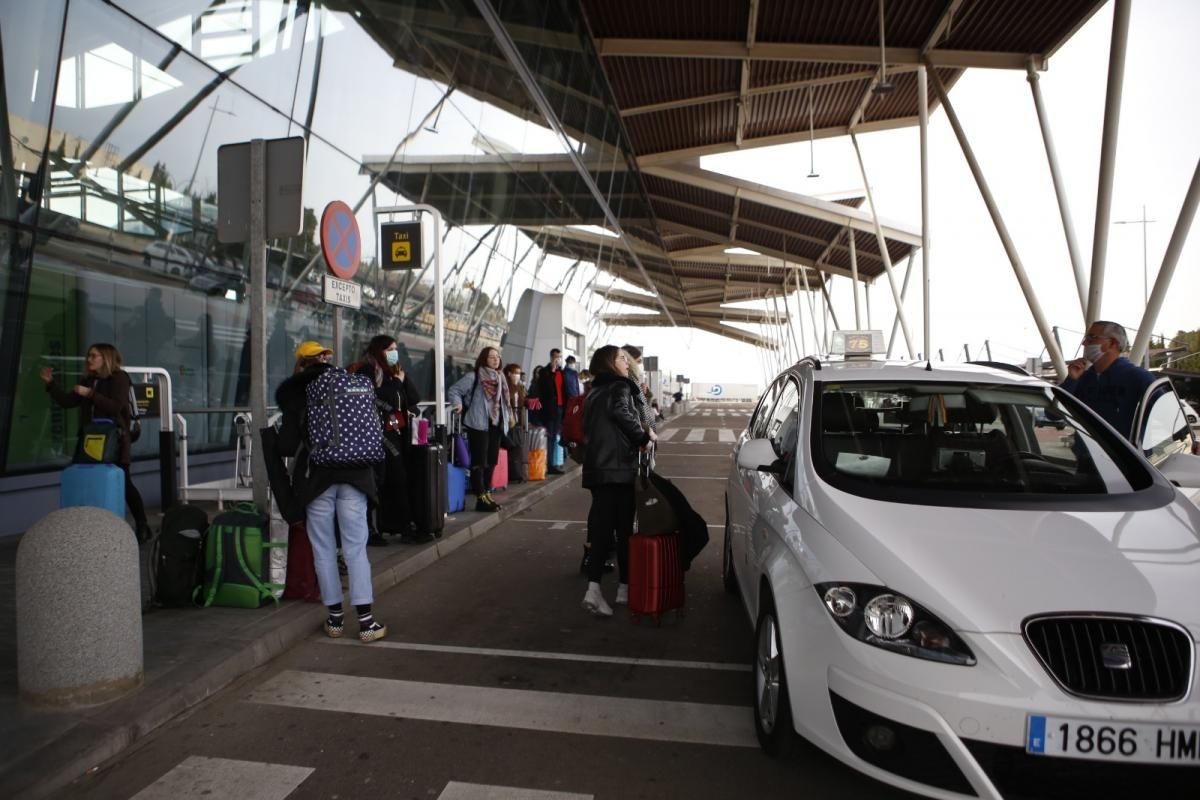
343, 424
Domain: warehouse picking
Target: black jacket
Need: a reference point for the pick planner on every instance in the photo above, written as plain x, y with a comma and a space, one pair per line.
614, 432
310, 480
110, 400
547, 390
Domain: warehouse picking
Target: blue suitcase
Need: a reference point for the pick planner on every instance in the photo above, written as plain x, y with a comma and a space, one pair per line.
99, 485
456, 488
557, 455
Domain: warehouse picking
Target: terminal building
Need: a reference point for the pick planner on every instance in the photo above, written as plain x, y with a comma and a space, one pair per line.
558, 140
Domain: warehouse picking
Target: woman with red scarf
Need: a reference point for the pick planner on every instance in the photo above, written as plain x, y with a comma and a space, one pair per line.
482, 397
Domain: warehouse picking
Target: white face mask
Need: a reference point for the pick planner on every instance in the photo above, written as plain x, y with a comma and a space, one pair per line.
558, 363
1093, 352
393, 357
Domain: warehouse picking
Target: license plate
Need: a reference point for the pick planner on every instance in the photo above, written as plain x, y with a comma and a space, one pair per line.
1151, 742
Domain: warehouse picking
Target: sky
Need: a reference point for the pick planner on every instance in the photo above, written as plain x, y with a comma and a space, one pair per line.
974, 293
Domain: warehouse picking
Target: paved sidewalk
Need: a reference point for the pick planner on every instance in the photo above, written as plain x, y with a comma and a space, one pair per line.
190, 654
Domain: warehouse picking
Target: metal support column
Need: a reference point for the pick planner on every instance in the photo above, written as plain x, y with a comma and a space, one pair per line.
800, 318
883, 251
1170, 260
1064, 210
812, 310
867, 302
854, 279
257, 247
829, 305
923, 120
908, 271
1108, 156
1031, 300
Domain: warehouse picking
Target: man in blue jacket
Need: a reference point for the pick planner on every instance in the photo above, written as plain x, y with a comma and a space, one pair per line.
1113, 385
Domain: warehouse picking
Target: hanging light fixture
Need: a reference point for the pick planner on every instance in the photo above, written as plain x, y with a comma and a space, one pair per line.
882, 86
812, 169
434, 127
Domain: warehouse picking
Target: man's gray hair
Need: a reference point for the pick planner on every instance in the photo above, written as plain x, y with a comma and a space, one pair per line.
1114, 330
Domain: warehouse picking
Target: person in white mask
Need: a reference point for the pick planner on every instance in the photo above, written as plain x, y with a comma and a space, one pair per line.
1106, 381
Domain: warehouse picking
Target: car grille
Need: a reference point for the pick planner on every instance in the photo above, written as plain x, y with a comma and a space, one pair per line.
1073, 650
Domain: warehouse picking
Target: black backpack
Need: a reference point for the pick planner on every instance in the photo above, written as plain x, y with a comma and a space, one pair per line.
177, 559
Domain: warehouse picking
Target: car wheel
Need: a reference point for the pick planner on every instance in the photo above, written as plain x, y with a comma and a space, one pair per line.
772, 708
728, 576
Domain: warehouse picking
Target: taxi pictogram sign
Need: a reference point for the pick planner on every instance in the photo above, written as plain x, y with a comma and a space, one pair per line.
341, 242
401, 245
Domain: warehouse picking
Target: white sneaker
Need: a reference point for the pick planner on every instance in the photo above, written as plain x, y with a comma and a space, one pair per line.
594, 602
623, 594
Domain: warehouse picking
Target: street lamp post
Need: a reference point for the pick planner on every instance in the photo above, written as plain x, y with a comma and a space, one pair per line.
1145, 267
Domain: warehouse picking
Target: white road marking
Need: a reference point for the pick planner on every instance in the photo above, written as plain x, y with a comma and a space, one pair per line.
552, 522
478, 791
586, 658
696, 435
197, 776
726, 435
621, 717
561, 525
694, 455
668, 434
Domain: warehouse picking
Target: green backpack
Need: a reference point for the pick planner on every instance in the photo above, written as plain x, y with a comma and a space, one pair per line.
236, 560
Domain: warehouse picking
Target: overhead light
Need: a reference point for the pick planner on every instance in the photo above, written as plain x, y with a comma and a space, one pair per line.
434, 127
882, 86
812, 169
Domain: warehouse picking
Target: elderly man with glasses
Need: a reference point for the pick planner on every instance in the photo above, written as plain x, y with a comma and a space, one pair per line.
1110, 384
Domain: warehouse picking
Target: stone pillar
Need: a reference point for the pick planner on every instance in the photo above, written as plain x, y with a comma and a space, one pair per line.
79, 619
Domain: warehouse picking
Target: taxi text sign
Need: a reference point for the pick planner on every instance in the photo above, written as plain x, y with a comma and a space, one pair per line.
342, 293
341, 242
401, 243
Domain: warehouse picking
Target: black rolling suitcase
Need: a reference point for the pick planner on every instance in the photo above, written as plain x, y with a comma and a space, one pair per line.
430, 501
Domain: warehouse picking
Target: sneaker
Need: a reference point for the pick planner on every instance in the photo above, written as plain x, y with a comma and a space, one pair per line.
372, 632
594, 602
623, 594
334, 629
495, 506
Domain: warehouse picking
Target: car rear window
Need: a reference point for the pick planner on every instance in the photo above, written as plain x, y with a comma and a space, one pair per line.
967, 438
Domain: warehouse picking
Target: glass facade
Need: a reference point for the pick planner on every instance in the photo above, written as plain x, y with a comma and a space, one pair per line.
108, 186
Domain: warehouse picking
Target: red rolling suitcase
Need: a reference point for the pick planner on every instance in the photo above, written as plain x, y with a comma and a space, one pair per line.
655, 576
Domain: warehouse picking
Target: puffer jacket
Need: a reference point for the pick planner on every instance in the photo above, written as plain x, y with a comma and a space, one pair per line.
614, 432
310, 480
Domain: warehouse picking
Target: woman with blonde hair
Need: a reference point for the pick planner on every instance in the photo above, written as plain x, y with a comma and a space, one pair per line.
103, 393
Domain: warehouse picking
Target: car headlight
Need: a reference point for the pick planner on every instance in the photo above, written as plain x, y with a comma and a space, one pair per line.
888, 620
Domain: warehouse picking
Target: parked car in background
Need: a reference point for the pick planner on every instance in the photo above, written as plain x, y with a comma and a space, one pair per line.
953, 606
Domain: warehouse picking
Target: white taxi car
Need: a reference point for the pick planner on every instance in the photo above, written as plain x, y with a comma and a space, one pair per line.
960, 603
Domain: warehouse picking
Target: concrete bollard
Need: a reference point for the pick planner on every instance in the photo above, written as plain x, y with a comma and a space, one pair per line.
79, 619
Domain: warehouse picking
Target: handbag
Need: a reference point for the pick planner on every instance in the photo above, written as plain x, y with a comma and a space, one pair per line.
99, 442
653, 513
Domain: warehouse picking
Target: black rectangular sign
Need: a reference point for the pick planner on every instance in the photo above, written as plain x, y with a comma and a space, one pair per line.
146, 396
401, 245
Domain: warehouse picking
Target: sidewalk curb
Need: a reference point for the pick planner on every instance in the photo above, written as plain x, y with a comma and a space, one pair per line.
44, 771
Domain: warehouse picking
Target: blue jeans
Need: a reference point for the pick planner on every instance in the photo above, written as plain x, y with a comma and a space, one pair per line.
350, 506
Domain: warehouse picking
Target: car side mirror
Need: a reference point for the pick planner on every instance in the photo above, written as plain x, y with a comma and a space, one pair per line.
1182, 469
758, 454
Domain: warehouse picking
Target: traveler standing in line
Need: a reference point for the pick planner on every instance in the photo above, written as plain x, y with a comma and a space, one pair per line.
551, 391
483, 398
326, 491
614, 435
641, 397
571, 382
102, 393
520, 417
395, 396
1106, 381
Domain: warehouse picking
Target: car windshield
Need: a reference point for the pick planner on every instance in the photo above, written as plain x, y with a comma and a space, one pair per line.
967, 437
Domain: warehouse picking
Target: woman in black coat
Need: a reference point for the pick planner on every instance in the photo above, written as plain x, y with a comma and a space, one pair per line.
395, 396
614, 435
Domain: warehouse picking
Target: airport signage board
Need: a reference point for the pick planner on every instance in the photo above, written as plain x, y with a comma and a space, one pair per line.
342, 293
284, 189
401, 243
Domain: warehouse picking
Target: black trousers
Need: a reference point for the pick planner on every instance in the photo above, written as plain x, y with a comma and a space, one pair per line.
485, 452
610, 524
133, 499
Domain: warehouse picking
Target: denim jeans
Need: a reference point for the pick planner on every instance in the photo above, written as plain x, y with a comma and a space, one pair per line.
350, 505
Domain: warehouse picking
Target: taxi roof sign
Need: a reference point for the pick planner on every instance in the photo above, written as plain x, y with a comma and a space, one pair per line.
857, 344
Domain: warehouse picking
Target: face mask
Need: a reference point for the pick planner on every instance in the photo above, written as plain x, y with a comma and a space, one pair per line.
393, 357
558, 363
1093, 352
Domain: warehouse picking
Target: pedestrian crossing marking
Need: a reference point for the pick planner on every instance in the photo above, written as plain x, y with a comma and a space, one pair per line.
621, 717
696, 435
197, 776
668, 434
477, 791
725, 435
586, 658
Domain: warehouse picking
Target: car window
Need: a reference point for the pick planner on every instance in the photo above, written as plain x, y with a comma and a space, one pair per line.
967, 438
781, 429
1164, 427
762, 414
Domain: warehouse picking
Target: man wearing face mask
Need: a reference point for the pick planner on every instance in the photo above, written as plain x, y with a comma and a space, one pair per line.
551, 391
1112, 385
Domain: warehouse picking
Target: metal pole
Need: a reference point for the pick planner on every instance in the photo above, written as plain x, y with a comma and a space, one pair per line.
903, 296
1057, 339
1031, 300
854, 279
800, 318
812, 310
923, 120
883, 251
1064, 210
829, 305
258, 317
1187, 213
966, 352
1108, 156
941, 355
867, 301
987, 348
